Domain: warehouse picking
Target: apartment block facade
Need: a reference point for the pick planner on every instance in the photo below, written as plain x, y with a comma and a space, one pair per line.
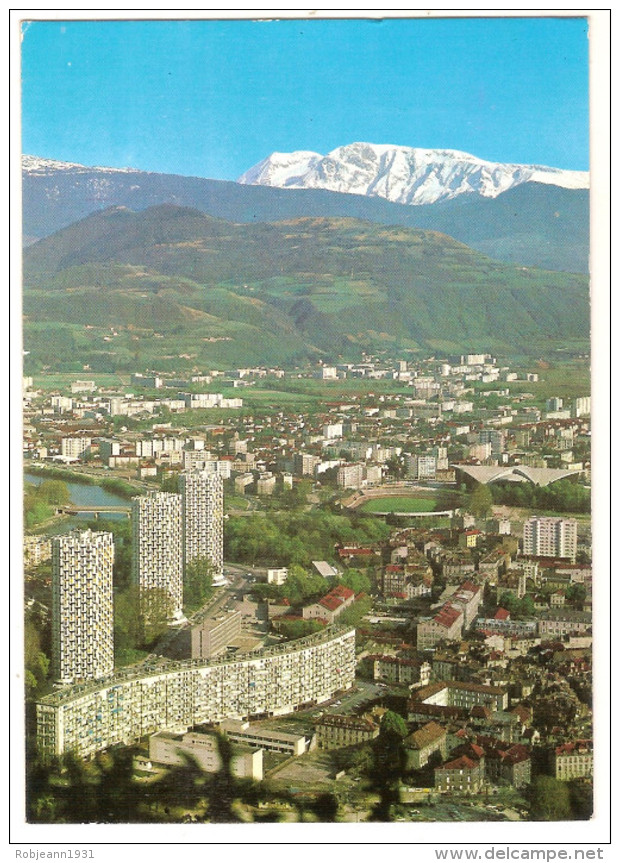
456, 693
202, 494
157, 525
334, 731
82, 610
75, 447
130, 704
421, 466
210, 636
545, 536
574, 760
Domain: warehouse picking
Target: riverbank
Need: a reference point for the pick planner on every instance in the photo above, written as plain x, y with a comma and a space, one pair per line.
113, 485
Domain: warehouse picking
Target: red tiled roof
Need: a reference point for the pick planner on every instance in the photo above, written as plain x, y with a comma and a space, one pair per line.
501, 614
358, 723
524, 713
336, 597
447, 616
574, 746
462, 763
331, 603
470, 750
341, 590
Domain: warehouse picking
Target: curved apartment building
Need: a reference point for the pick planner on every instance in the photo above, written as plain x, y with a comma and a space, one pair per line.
122, 708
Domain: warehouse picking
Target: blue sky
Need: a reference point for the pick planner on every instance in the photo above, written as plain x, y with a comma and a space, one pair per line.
212, 98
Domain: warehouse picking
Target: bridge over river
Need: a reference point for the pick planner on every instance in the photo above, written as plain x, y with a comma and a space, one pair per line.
72, 509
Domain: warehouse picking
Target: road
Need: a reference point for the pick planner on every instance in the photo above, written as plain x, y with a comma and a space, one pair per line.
223, 596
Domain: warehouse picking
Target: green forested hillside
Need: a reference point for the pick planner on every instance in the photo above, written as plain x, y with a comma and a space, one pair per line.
171, 287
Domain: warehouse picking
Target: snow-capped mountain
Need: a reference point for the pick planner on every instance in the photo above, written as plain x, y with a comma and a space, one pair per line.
38, 165
403, 175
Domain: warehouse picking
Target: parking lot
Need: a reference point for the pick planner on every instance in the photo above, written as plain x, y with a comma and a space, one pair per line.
361, 697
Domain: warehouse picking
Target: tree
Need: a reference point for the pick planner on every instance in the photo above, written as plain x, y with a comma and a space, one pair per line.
356, 581
448, 498
389, 764
393, 725
128, 620
581, 799
197, 582
54, 491
396, 467
480, 501
576, 594
520, 609
549, 799
123, 548
140, 617
555, 709
36, 509
352, 615
293, 629
170, 483
301, 585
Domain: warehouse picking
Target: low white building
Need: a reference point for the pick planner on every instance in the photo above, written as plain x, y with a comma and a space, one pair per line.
175, 749
277, 576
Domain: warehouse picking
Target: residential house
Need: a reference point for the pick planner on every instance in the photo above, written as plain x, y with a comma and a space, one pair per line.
421, 744
461, 775
398, 669
334, 731
446, 625
330, 606
556, 624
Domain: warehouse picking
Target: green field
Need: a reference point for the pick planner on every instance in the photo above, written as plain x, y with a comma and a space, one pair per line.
63, 380
399, 504
566, 380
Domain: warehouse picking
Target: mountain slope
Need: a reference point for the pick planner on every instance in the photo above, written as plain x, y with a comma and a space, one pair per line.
170, 287
403, 175
532, 224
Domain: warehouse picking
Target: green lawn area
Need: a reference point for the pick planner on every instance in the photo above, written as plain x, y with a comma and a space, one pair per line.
399, 504
237, 501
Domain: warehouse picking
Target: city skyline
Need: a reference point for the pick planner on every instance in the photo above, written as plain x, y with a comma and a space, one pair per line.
179, 96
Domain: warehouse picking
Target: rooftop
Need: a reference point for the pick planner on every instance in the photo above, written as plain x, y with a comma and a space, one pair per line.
426, 735
461, 763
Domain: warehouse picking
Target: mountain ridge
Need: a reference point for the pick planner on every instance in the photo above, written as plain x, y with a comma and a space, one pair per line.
403, 175
531, 224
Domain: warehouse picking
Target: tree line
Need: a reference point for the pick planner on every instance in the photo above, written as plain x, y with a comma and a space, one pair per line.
284, 538
565, 495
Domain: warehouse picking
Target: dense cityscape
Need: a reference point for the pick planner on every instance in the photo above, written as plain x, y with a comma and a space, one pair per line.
348, 592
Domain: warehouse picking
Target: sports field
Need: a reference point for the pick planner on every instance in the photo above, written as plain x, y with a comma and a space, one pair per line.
399, 504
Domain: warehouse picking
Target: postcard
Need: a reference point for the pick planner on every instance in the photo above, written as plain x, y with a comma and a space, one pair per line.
314, 364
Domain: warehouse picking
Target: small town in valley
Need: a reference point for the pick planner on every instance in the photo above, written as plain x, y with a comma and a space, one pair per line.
348, 592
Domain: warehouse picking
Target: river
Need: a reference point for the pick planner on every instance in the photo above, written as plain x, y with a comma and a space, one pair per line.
82, 494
